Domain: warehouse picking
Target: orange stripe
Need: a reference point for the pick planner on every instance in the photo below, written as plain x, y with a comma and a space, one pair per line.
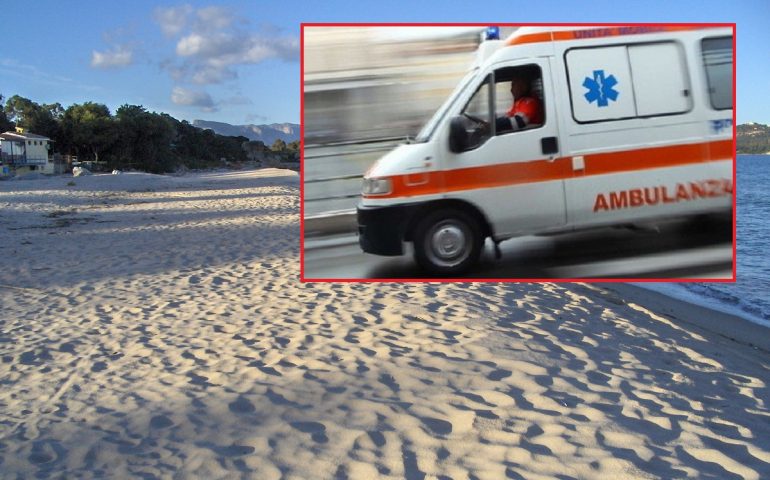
600, 32
516, 173
507, 174
531, 38
645, 158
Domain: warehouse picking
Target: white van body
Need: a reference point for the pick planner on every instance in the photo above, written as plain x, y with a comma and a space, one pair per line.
638, 125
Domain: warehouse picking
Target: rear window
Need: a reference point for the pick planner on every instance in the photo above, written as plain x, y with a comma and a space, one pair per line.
718, 63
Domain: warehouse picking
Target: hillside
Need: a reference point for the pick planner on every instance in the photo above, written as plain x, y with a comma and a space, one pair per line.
288, 132
753, 138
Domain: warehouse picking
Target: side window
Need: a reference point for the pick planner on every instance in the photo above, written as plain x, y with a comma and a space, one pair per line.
509, 100
519, 99
478, 105
476, 117
628, 81
718, 63
659, 73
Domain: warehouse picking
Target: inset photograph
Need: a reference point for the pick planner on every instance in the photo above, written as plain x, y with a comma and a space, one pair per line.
515, 152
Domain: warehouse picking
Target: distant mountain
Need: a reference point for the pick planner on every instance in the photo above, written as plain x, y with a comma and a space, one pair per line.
288, 132
753, 138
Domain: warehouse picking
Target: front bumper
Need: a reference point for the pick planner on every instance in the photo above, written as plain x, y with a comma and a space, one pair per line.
381, 230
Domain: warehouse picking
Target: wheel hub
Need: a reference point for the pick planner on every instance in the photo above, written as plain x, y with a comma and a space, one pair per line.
448, 241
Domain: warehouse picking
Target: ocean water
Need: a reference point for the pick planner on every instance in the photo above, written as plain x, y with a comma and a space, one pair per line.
749, 296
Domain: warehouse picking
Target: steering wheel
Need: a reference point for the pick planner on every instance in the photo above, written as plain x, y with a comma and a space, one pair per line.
475, 119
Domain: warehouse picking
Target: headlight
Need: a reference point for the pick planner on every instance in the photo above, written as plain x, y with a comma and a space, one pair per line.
376, 186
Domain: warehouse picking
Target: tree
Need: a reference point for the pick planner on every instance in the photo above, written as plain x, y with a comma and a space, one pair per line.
5, 124
90, 128
55, 110
293, 151
279, 146
145, 139
199, 148
753, 138
33, 117
133, 137
19, 109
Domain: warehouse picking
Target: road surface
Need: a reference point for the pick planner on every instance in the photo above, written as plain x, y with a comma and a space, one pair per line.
681, 249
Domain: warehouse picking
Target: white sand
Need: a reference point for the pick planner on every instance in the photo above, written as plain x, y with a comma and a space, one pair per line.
155, 327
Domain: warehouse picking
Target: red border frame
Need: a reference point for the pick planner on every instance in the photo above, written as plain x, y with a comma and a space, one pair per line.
508, 280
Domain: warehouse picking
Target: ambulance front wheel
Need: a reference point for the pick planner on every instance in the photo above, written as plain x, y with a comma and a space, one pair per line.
447, 242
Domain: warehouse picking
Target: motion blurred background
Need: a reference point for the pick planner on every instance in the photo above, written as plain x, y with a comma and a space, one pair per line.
366, 89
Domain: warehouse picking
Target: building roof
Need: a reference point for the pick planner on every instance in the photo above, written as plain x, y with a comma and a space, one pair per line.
22, 136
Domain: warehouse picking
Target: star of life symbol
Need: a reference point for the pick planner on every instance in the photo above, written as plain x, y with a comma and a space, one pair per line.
600, 88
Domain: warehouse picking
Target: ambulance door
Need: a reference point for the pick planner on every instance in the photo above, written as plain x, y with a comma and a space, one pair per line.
510, 167
632, 132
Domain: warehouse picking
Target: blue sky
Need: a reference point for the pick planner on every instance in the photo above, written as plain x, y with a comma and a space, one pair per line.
238, 61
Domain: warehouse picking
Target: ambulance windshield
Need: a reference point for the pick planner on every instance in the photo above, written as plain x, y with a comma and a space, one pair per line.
430, 127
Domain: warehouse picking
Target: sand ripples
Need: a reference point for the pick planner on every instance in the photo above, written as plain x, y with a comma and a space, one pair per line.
185, 344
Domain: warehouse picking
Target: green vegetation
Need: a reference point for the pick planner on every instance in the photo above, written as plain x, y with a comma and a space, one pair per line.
753, 138
133, 138
5, 124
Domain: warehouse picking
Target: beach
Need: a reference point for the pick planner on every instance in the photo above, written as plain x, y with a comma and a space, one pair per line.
155, 327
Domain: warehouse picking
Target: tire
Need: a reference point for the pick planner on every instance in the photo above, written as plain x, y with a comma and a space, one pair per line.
447, 242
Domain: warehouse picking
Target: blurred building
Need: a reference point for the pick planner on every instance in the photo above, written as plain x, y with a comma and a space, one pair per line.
365, 83
371, 84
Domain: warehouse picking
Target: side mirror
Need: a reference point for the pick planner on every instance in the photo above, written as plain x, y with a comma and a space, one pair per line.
458, 135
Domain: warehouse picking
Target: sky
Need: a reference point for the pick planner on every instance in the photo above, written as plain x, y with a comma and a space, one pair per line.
239, 61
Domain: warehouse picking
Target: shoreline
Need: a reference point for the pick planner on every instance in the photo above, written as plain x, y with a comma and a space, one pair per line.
729, 326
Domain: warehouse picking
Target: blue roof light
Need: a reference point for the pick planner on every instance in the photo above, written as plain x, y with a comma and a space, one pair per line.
493, 33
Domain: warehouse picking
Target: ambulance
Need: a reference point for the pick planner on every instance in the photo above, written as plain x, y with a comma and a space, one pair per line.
636, 125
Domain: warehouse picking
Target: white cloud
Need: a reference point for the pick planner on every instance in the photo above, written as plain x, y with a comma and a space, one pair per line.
173, 20
212, 57
196, 44
119, 56
214, 18
198, 74
207, 75
193, 98
211, 48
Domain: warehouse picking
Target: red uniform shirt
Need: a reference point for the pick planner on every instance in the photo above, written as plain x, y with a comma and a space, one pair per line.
529, 109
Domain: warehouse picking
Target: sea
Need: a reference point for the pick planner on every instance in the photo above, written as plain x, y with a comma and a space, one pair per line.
749, 296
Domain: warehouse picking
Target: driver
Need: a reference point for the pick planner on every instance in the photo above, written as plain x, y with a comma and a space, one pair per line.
526, 109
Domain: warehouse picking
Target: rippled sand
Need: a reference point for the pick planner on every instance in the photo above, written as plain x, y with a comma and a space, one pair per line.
155, 327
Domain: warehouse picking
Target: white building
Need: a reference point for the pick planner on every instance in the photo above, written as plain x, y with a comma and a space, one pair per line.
22, 152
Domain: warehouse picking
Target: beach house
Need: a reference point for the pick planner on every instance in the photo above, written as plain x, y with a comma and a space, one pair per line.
23, 152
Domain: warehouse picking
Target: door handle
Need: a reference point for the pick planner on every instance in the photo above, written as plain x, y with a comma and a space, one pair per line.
549, 145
